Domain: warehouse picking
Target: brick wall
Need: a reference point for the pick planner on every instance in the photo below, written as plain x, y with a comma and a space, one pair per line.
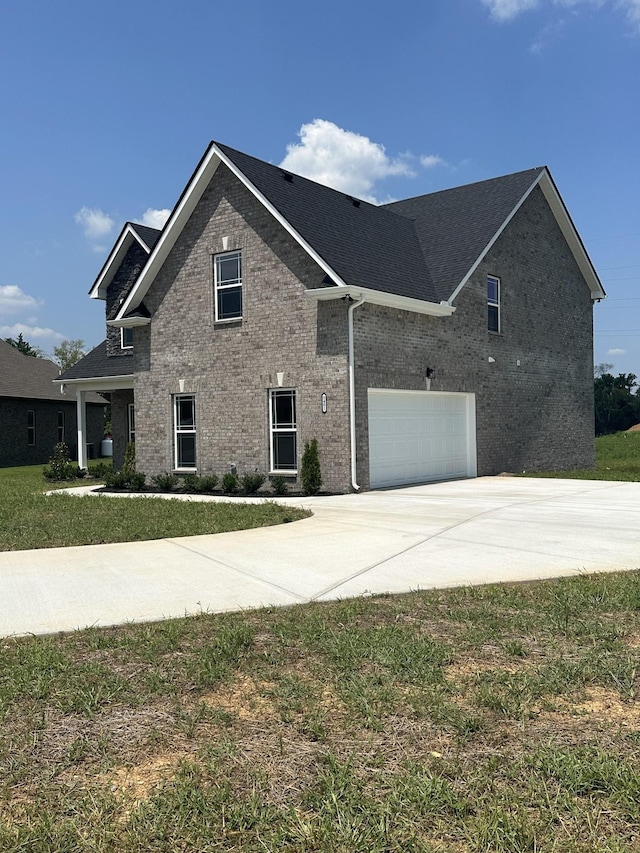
14, 447
230, 367
534, 404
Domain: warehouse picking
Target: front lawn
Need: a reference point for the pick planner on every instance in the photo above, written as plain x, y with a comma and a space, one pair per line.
31, 519
617, 458
502, 719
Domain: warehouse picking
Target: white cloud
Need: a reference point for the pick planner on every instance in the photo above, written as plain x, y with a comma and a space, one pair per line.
154, 218
431, 160
95, 223
632, 8
15, 301
30, 333
616, 351
342, 159
506, 10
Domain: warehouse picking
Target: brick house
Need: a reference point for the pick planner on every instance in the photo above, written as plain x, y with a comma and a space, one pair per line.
36, 414
443, 336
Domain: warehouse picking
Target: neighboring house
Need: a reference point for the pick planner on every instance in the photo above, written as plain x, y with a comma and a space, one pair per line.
443, 336
36, 414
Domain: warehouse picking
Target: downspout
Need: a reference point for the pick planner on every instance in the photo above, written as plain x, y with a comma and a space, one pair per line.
352, 394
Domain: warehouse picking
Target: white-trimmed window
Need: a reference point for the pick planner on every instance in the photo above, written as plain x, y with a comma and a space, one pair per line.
60, 427
227, 277
31, 427
184, 427
283, 430
493, 303
131, 422
126, 338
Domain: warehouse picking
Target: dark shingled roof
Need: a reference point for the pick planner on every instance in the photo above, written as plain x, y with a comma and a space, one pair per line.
366, 245
455, 226
32, 378
97, 365
149, 236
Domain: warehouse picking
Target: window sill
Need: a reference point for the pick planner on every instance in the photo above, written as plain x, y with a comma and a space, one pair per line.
287, 473
237, 321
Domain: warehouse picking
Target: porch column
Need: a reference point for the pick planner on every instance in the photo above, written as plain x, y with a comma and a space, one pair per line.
81, 410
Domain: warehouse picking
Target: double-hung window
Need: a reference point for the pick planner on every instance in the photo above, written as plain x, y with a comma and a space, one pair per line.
31, 427
126, 338
227, 277
184, 426
60, 427
283, 429
493, 303
131, 422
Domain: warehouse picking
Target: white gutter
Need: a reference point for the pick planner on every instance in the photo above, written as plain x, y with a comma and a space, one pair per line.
352, 393
379, 297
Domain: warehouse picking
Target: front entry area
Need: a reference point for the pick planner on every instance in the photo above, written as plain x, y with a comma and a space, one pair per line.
420, 436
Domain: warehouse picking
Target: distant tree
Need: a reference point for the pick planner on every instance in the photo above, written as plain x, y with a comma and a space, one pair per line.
617, 406
68, 353
25, 347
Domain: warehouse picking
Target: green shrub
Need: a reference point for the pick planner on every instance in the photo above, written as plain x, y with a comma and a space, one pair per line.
230, 483
129, 466
310, 472
252, 482
193, 484
279, 485
116, 480
166, 482
100, 471
190, 484
136, 481
60, 466
208, 483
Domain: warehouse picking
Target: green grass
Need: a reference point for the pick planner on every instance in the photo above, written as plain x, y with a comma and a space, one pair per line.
31, 519
617, 458
500, 718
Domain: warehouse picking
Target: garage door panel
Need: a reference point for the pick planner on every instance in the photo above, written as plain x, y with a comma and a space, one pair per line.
418, 436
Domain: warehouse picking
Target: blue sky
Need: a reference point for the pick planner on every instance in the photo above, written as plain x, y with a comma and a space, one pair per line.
107, 107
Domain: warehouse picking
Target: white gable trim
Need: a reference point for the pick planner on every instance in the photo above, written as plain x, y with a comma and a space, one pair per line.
116, 257
183, 210
567, 227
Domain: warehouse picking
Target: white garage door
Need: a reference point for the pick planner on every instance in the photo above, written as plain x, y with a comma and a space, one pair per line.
418, 436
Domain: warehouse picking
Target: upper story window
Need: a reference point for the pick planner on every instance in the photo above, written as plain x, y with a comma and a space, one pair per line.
227, 276
126, 338
493, 303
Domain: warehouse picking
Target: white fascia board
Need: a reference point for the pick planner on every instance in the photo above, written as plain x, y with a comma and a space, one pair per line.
100, 383
172, 230
567, 227
183, 210
388, 300
111, 265
284, 222
129, 322
572, 237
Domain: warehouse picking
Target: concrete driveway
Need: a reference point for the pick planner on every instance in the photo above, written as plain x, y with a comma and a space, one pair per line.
439, 535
